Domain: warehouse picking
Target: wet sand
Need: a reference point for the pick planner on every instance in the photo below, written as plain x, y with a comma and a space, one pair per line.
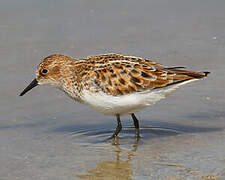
46, 136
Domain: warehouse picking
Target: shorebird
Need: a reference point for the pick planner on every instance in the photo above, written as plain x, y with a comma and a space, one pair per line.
112, 84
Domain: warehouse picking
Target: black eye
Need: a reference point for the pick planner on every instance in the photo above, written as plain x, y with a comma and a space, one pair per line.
44, 71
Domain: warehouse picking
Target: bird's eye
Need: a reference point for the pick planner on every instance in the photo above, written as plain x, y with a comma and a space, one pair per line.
44, 71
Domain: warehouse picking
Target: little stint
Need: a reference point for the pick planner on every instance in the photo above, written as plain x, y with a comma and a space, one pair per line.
112, 84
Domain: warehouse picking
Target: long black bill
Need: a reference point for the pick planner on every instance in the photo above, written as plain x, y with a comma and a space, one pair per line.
29, 87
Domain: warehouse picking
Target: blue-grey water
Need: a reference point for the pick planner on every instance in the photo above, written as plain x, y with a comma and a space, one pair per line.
46, 136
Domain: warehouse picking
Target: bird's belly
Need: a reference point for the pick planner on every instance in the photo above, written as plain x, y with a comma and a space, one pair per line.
112, 105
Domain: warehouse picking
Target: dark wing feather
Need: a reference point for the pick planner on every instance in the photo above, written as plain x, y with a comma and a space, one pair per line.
120, 75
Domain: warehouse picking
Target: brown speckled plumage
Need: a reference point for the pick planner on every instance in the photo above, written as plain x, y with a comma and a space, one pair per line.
112, 84
114, 74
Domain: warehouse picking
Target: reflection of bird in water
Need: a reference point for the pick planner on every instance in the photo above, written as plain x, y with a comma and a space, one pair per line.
112, 170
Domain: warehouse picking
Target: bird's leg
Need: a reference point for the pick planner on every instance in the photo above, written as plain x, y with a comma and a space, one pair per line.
118, 128
136, 125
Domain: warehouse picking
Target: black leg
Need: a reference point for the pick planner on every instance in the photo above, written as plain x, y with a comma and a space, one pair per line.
118, 128
136, 125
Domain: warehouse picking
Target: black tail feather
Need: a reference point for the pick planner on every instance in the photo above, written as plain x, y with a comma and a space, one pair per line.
206, 73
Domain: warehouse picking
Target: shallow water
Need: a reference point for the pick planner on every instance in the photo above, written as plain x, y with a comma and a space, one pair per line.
45, 135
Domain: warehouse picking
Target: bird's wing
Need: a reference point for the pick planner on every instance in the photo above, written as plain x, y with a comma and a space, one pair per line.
118, 75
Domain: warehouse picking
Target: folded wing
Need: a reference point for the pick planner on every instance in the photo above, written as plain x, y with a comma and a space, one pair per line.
120, 75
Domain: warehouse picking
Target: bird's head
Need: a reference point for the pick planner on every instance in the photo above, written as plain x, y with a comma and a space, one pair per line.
49, 71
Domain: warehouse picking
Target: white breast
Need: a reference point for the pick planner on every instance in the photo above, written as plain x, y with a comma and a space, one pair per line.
112, 105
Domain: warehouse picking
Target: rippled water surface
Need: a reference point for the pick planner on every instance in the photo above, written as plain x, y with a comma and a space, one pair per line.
44, 135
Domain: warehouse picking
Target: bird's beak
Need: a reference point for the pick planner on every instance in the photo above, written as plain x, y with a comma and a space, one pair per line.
29, 87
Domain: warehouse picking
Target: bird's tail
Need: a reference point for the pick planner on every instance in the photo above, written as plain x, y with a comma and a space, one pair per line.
192, 74
197, 75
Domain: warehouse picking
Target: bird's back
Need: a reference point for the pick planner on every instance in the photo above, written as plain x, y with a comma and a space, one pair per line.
118, 75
